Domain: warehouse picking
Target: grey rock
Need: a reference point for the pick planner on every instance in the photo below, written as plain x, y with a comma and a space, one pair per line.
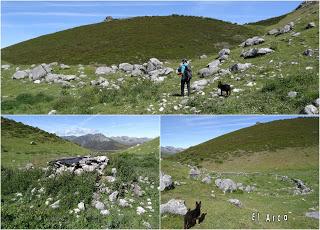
273, 31
63, 66
52, 112
206, 72
314, 215
226, 185
308, 52
99, 205
194, 172
39, 72
123, 203
310, 110
206, 180
174, 206
154, 64
254, 52
316, 102
21, 74
113, 196
235, 202
223, 58
165, 181
252, 41
240, 67
5, 67
126, 67
224, 52
55, 204
137, 191
136, 73
292, 94
310, 25
104, 70
203, 56
213, 64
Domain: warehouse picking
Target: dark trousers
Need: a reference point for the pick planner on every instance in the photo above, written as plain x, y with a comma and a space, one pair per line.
183, 82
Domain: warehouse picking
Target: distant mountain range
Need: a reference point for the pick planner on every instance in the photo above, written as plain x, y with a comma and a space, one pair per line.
99, 142
170, 150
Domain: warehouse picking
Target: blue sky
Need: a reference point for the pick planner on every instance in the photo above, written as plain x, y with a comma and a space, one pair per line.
134, 126
25, 20
186, 131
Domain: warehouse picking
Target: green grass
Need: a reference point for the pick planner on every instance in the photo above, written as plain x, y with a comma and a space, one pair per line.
270, 136
271, 197
30, 211
130, 40
274, 74
16, 150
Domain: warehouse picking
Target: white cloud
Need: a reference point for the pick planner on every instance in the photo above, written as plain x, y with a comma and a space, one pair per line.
76, 131
66, 14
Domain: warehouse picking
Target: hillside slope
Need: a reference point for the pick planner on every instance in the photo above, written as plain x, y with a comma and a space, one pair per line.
269, 137
17, 148
130, 40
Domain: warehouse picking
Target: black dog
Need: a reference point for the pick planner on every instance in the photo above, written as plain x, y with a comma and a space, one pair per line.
190, 218
224, 87
201, 218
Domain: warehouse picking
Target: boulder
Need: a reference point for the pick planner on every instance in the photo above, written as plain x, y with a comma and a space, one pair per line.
235, 202
254, 52
63, 66
226, 185
308, 52
301, 188
273, 31
81, 206
206, 180
136, 73
314, 214
104, 70
223, 58
154, 64
213, 64
287, 28
5, 67
224, 52
99, 205
310, 25
21, 74
39, 72
113, 196
100, 81
252, 41
123, 203
206, 72
105, 212
240, 67
203, 56
165, 182
194, 172
126, 67
310, 110
174, 206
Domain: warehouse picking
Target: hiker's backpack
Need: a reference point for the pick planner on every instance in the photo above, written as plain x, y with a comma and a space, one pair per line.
187, 73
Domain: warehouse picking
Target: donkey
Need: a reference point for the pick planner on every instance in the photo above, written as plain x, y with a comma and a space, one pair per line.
190, 218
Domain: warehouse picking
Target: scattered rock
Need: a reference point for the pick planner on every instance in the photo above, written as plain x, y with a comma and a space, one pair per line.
55, 204
207, 180
235, 202
99, 205
206, 72
240, 67
165, 182
39, 72
301, 188
255, 52
194, 172
310, 110
81, 206
123, 203
203, 56
21, 74
316, 102
5, 67
292, 94
252, 41
113, 196
104, 70
174, 206
308, 52
140, 210
105, 212
226, 185
314, 215
126, 67
310, 25
137, 190
52, 112
63, 66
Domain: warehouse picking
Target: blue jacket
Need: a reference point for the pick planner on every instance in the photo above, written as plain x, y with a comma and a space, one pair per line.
183, 67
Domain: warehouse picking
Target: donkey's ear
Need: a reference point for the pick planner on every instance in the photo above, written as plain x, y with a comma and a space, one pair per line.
200, 202
196, 202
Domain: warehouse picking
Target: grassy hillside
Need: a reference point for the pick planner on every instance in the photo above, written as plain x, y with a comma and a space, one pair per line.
262, 89
150, 147
17, 150
129, 40
271, 136
30, 211
281, 148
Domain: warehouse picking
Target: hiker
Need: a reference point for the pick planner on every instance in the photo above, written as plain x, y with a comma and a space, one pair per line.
184, 71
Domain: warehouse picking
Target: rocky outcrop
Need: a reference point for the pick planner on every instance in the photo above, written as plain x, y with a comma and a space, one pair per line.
252, 41
255, 52
174, 206
226, 185
287, 28
240, 67
166, 182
